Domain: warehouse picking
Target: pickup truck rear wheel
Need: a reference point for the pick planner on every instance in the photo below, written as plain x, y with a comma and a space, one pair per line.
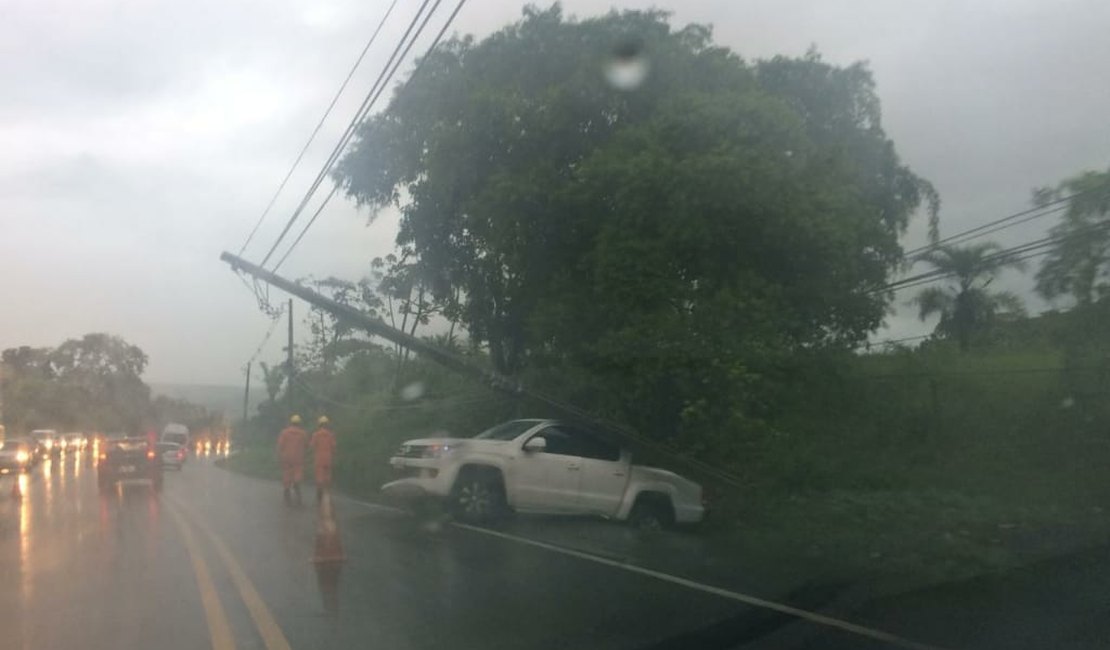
478, 495
651, 512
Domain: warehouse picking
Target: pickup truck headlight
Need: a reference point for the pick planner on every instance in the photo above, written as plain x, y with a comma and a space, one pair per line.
435, 451
21, 457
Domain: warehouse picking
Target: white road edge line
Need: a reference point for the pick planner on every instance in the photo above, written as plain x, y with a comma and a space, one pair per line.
755, 601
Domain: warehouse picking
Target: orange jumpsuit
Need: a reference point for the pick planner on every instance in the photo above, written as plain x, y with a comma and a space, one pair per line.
323, 450
290, 447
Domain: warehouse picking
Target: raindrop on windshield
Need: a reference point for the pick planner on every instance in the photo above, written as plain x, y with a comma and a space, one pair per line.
628, 65
413, 391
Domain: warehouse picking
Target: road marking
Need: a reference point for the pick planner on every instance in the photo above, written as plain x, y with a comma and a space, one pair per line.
218, 628
754, 601
267, 626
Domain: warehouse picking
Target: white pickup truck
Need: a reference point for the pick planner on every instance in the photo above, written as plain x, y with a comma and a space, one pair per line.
541, 466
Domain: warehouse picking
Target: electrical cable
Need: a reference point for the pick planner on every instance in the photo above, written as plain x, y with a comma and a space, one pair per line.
419, 65
349, 131
319, 125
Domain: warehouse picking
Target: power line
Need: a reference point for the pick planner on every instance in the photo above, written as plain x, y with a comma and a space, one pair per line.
1018, 250
269, 333
419, 65
319, 125
945, 276
350, 130
978, 231
426, 404
962, 240
871, 344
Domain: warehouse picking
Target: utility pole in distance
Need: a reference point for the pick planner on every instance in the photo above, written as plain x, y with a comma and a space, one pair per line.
247, 395
289, 361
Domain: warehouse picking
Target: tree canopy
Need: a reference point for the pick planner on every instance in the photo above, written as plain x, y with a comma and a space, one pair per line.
966, 306
666, 238
1079, 263
89, 384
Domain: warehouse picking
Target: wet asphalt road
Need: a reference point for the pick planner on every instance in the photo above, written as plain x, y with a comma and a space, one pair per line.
216, 561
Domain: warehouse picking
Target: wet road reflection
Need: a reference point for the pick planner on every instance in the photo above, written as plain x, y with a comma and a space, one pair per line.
84, 570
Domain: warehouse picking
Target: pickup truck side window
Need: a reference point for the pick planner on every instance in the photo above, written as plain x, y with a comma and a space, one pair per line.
560, 442
591, 446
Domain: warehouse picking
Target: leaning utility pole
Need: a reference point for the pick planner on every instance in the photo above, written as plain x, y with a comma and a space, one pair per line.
450, 360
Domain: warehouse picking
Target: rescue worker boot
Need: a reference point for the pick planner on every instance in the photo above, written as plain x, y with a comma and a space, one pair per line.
297, 494
288, 497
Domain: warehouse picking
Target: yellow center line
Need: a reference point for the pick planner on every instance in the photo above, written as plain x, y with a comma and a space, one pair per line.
268, 628
218, 627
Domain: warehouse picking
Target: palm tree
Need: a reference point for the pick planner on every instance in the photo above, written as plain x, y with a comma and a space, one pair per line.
965, 305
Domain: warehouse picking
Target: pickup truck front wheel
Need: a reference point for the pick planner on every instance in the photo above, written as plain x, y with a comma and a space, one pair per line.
478, 495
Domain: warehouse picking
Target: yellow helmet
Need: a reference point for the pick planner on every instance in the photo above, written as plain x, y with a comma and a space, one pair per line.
296, 419
322, 420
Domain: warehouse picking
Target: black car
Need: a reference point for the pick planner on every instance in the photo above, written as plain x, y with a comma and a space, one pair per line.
124, 459
51, 442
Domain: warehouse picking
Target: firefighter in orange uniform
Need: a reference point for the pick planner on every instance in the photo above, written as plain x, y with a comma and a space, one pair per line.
291, 448
323, 452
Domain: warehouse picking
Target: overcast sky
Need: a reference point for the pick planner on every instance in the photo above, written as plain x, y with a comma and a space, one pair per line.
139, 138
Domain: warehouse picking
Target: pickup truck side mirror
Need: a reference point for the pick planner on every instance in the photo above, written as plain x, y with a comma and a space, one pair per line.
535, 444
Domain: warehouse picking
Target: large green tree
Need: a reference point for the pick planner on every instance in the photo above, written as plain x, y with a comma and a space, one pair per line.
966, 305
1078, 265
89, 383
672, 239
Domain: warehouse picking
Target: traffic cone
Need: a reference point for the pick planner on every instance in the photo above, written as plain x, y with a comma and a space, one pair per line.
328, 546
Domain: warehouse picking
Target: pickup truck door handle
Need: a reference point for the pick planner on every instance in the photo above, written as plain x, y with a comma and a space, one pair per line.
573, 468
618, 473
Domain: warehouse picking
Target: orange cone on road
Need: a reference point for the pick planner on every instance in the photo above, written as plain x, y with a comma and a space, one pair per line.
328, 546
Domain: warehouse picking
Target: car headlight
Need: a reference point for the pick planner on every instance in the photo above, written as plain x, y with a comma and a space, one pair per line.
22, 457
435, 451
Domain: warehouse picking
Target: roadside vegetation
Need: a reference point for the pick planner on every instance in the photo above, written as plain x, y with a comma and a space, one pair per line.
700, 250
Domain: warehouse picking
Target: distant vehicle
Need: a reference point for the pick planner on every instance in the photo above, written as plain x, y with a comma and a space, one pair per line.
128, 459
542, 466
17, 455
176, 433
171, 453
49, 439
75, 441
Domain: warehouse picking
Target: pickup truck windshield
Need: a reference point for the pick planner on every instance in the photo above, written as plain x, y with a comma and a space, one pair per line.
506, 431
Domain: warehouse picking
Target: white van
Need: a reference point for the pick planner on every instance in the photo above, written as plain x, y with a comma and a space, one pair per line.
176, 433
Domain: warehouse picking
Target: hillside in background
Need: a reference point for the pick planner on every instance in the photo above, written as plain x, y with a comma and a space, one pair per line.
223, 399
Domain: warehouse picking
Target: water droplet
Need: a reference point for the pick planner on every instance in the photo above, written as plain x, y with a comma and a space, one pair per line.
413, 391
628, 65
